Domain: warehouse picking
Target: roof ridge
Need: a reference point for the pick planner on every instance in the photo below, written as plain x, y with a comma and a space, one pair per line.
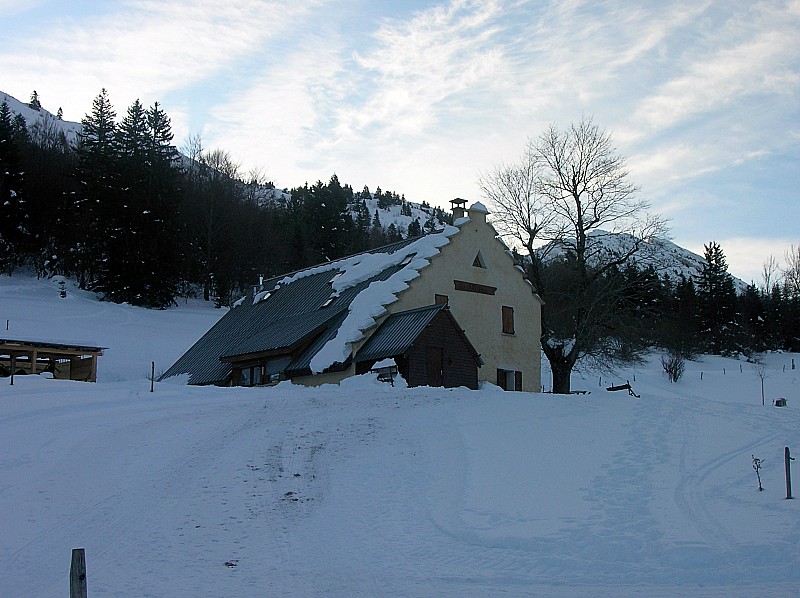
382, 249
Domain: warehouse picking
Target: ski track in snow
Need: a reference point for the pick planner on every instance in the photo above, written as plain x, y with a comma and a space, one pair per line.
364, 490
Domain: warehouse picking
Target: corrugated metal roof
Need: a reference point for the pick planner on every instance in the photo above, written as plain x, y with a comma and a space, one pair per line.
397, 333
292, 314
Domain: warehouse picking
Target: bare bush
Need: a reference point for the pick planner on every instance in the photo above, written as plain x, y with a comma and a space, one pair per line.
674, 365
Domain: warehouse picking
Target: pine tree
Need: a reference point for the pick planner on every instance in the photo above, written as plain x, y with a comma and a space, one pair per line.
717, 301
414, 229
14, 218
142, 263
94, 206
60, 114
377, 237
34, 103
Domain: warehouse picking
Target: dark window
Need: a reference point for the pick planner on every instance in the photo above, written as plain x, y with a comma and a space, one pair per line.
441, 299
508, 320
478, 261
509, 379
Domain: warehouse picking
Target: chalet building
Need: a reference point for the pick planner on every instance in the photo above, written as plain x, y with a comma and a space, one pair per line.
450, 309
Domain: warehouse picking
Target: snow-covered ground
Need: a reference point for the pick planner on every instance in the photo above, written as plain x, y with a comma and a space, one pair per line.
368, 490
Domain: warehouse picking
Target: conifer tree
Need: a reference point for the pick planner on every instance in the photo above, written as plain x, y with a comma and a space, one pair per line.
414, 229
94, 205
34, 103
142, 263
717, 301
14, 219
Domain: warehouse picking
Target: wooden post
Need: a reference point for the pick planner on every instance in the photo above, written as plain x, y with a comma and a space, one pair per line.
787, 459
152, 374
77, 574
13, 367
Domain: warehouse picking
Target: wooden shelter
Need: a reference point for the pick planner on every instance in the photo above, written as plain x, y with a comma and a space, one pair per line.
65, 361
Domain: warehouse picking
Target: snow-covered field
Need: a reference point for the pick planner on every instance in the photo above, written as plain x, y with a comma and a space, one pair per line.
368, 490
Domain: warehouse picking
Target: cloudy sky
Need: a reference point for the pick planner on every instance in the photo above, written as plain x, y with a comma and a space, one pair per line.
420, 97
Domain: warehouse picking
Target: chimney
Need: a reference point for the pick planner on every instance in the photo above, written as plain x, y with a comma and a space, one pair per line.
478, 212
458, 207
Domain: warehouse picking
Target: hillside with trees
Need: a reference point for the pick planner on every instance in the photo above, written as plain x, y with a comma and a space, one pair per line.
114, 204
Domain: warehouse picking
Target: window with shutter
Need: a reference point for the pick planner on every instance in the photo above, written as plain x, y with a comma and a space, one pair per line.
508, 320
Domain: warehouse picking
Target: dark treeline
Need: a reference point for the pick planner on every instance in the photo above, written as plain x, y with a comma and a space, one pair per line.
130, 217
690, 315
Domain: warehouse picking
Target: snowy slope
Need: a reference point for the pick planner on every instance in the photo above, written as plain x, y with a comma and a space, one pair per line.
41, 118
391, 215
667, 258
366, 490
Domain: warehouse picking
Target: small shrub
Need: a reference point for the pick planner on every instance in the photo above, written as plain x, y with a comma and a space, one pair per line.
674, 365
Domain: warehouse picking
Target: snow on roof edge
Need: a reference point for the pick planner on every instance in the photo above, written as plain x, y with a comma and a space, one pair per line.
371, 302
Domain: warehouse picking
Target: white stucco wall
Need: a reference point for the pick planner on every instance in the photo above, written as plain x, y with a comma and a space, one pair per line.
478, 314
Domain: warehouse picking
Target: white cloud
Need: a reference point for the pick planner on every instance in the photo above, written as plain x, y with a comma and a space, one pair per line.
9, 8
145, 48
752, 52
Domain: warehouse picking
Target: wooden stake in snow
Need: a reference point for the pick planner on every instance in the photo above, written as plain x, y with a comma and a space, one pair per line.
152, 374
77, 574
787, 459
757, 466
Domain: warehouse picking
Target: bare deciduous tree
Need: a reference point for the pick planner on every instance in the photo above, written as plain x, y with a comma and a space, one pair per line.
791, 274
769, 273
568, 192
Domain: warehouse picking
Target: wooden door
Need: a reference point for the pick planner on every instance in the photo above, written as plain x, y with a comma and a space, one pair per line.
434, 365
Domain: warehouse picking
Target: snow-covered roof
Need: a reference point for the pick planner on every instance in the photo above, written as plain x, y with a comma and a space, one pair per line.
479, 207
333, 303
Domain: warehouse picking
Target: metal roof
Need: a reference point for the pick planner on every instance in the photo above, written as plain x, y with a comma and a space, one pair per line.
397, 333
293, 314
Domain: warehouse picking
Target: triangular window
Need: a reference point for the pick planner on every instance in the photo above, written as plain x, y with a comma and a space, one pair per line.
478, 262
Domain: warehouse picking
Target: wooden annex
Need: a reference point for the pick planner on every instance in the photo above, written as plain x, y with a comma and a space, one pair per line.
428, 346
65, 361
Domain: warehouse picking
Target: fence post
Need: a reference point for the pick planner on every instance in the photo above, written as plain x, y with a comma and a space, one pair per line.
787, 459
77, 574
152, 374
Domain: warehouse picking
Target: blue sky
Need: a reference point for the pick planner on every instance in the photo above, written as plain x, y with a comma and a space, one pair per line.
421, 97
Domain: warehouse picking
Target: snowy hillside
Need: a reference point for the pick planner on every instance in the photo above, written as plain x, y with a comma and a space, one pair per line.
392, 215
41, 119
664, 256
367, 490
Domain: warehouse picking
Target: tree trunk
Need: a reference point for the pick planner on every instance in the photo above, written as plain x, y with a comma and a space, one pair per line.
561, 375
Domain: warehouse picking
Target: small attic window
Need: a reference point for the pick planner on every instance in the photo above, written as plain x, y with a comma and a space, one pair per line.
478, 262
407, 260
328, 301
